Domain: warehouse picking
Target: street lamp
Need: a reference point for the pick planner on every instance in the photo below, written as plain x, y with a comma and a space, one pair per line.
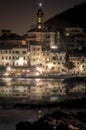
8, 69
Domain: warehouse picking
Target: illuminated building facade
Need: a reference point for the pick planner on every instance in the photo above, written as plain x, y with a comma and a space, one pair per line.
43, 43
73, 37
35, 54
44, 48
40, 33
13, 50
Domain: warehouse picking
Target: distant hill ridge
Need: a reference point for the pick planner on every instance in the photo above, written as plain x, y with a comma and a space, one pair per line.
72, 17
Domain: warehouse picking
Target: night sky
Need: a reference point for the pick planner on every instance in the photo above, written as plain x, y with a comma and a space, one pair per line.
20, 15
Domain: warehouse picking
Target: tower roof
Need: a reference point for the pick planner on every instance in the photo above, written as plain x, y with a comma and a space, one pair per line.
40, 11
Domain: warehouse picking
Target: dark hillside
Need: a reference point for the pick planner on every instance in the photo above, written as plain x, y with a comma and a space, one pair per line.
71, 17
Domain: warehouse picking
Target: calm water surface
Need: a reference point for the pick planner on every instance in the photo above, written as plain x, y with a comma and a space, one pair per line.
34, 91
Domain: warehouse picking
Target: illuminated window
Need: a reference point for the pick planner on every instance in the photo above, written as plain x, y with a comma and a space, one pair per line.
39, 26
39, 20
67, 34
47, 59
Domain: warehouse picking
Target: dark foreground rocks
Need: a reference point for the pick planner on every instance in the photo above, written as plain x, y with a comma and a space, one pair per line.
58, 120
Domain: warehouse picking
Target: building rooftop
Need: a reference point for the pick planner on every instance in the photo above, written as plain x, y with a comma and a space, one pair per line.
58, 50
10, 36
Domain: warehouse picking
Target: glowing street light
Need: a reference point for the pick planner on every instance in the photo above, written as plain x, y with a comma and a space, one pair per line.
8, 68
39, 69
50, 65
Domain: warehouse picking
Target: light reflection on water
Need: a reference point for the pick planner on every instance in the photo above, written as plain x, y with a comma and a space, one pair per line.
46, 90
30, 91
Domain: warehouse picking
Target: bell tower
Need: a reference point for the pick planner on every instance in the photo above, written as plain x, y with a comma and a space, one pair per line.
40, 17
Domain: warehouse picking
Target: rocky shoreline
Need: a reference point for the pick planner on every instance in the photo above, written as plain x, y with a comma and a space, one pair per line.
71, 115
58, 120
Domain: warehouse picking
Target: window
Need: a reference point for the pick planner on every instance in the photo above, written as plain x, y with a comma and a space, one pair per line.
47, 36
24, 58
39, 26
52, 68
47, 59
34, 49
39, 20
54, 58
2, 57
17, 52
9, 57
60, 57
46, 67
38, 49
34, 59
17, 57
6, 57
13, 57
24, 52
